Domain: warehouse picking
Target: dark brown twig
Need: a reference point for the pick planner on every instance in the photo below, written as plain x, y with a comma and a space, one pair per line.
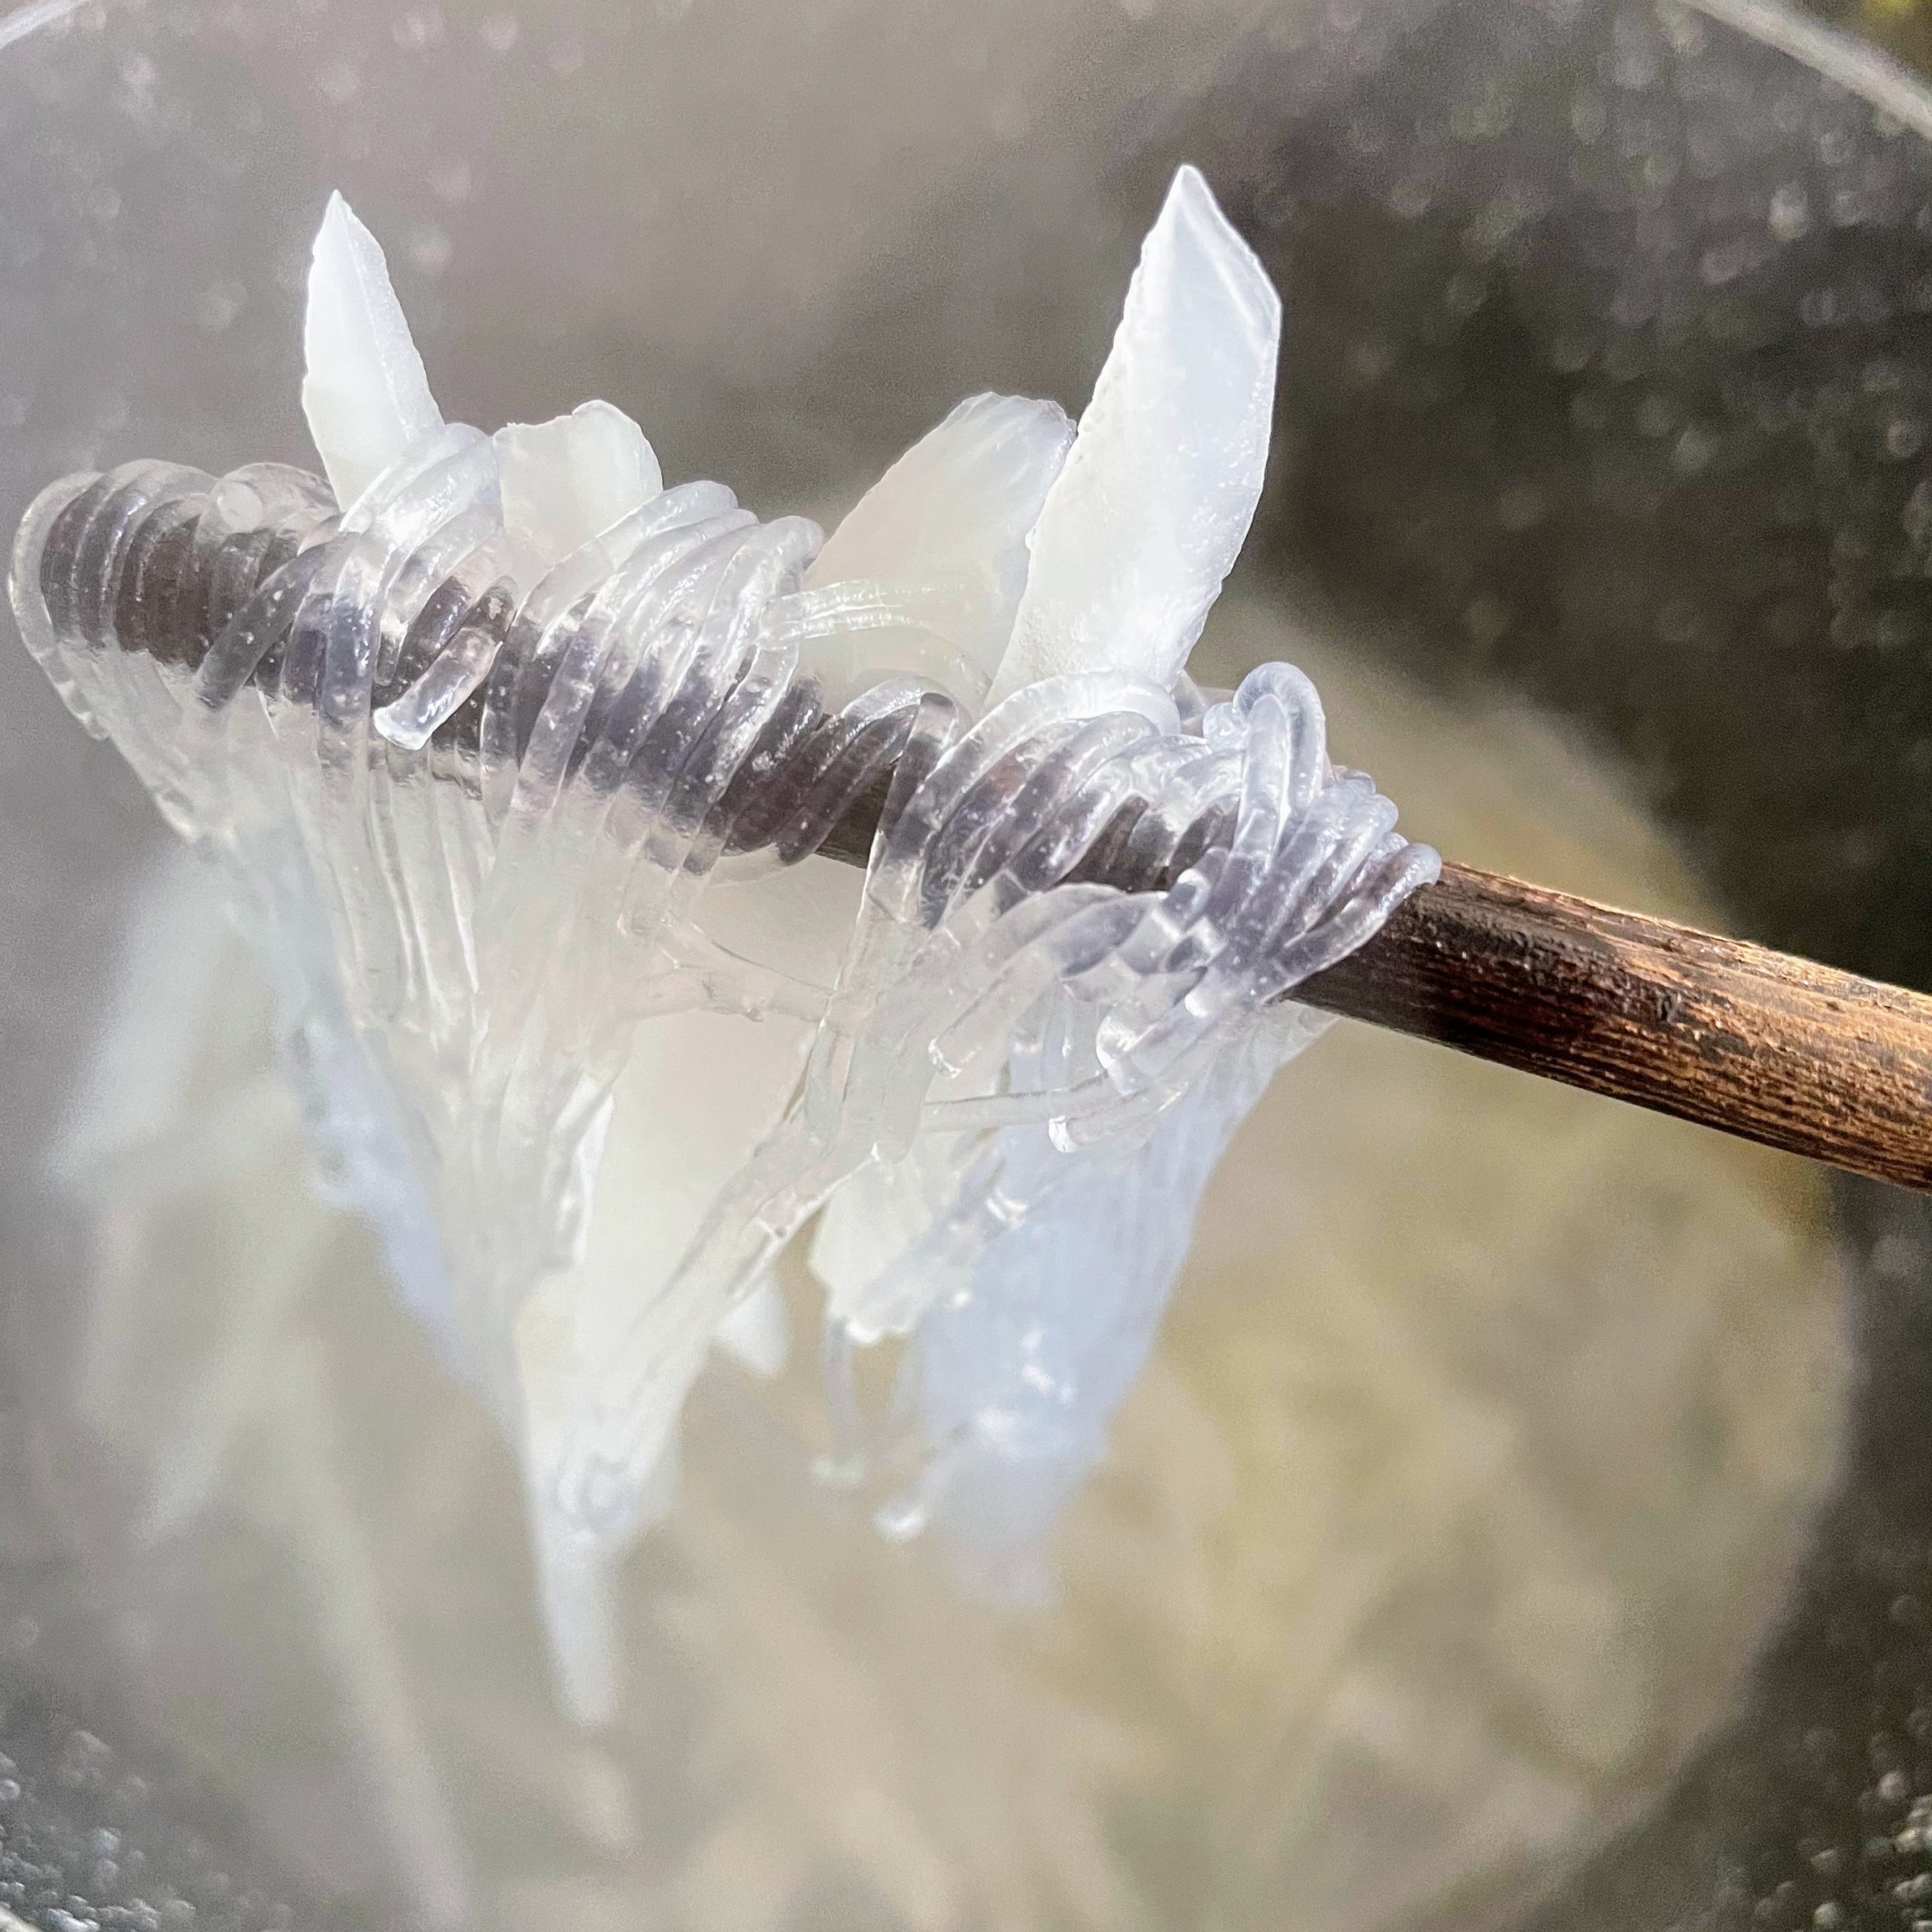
1772, 1048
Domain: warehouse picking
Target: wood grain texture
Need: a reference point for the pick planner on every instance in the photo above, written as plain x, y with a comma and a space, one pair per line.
1775, 1049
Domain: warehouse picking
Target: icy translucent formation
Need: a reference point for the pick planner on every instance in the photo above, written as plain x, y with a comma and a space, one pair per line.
1147, 517
478, 740
941, 538
568, 480
363, 391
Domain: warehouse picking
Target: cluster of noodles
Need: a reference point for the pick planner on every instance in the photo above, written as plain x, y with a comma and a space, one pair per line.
475, 780
464, 936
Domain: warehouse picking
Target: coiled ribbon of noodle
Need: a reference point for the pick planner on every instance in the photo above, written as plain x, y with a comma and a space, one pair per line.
484, 737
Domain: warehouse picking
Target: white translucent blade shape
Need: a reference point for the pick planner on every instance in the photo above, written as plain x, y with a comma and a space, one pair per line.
363, 391
876, 1218
944, 532
1158, 490
666, 1157
569, 479
757, 1334
701, 1090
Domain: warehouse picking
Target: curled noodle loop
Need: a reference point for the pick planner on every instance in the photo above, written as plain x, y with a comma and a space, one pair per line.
470, 820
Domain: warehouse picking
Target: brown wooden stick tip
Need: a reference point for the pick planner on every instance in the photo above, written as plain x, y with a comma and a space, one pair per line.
1775, 1049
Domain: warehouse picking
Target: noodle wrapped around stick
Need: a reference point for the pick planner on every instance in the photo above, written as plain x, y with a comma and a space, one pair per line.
486, 735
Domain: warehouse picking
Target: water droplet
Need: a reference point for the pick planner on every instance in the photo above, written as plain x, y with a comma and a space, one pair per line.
419, 27
1904, 438
217, 306
1819, 308
1570, 353
1692, 454
1791, 212
1485, 620
83, 1762
500, 33
1728, 261
1411, 197
1369, 360
339, 83
1657, 415
451, 181
430, 249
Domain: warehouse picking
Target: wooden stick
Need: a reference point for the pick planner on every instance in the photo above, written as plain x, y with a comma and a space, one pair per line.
1772, 1048
1759, 1044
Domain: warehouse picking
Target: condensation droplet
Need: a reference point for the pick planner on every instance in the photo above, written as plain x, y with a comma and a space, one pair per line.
1369, 360
1692, 453
430, 249
452, 181
217, 306
1411, 197
418, 29
339, 83
1791, 212
1657, 416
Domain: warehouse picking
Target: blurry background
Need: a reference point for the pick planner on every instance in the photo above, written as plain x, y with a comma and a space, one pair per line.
1524, 1519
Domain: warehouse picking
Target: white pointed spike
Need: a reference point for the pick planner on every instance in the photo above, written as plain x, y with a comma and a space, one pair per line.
1157, 492
569, 479
364, 393
943, 532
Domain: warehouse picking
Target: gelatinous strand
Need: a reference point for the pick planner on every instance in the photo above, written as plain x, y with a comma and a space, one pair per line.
471, 826
963, 954
485, 738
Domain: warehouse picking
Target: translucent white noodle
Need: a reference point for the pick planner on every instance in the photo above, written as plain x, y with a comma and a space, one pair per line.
470, 750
